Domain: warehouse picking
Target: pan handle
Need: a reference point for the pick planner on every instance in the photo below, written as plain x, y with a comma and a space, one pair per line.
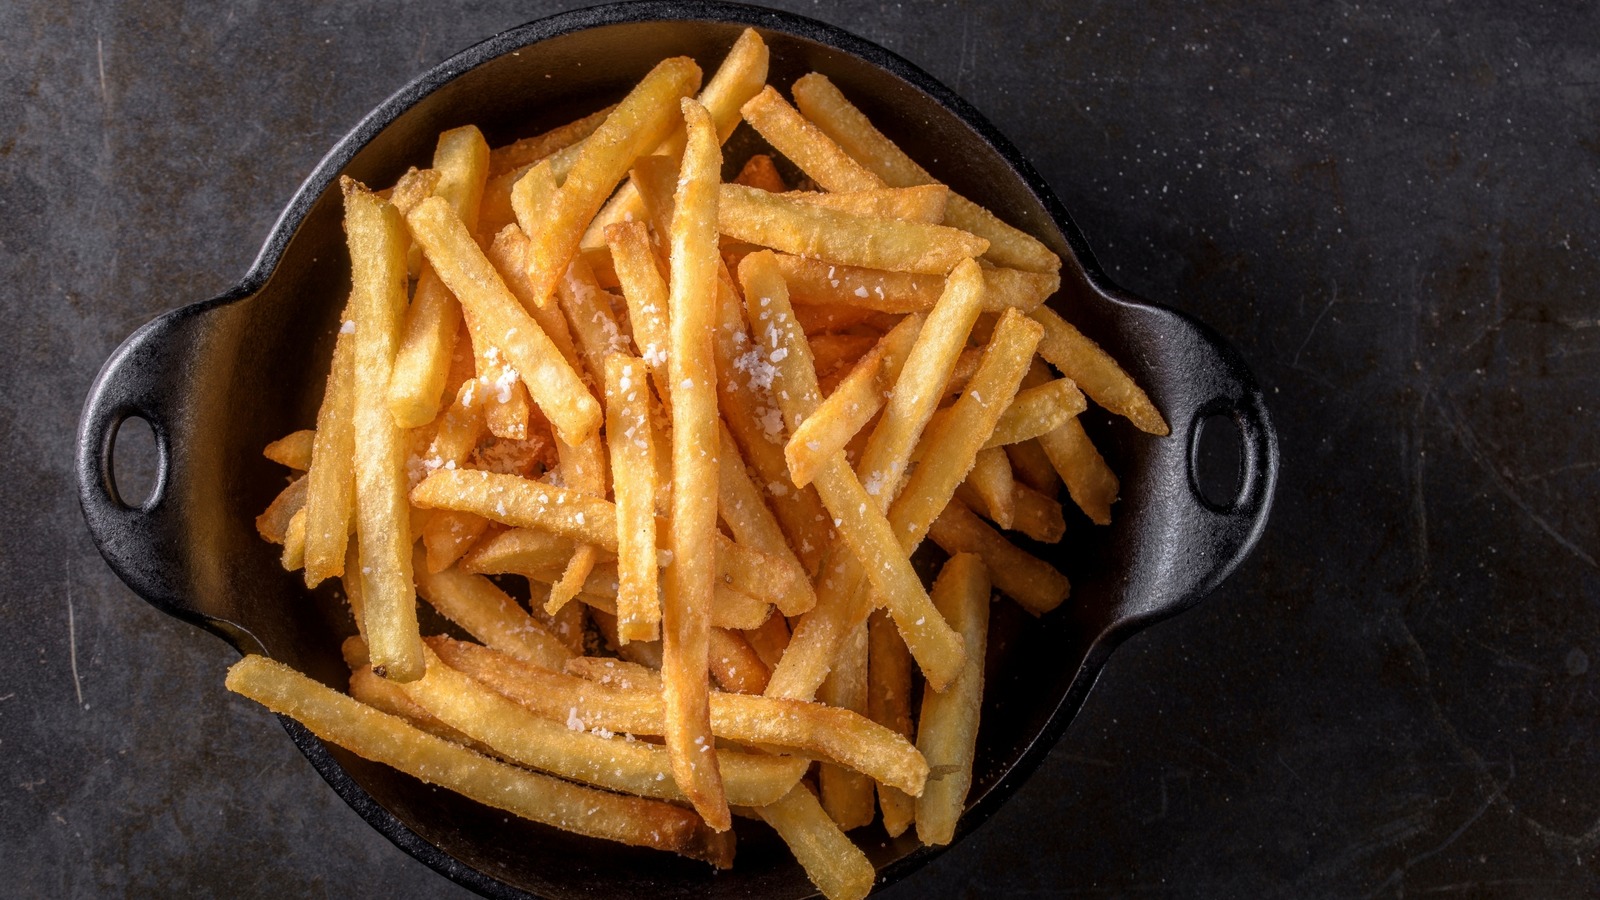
145, 378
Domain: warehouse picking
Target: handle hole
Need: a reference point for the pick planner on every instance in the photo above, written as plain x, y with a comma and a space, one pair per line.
1216, 459
135, 463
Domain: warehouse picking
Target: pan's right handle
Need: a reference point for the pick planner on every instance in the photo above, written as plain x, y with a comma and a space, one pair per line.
145, 378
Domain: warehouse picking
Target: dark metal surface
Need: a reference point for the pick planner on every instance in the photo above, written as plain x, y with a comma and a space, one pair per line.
1391, 212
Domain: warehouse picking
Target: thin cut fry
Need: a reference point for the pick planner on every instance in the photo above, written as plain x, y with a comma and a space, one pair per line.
835, 865
530, 150
805, 145
1033, 583
688, 585
923, 204
736, 666
273, 523
1082, 360
847, 795
645, 292
775, 221
889, 704
814, 282
1090, 481
759, 172
1036, 411
377, 243
634, 475
448, 535
294, 543
497, 316
488, 614
383, 738
991, 480
292, 450
752, 523
1033, 468
330, 482
947, 731
825, 106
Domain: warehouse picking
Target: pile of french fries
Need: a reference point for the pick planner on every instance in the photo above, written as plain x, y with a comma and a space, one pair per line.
708, 424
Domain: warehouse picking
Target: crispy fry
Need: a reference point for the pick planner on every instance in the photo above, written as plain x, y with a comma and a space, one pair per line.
1036, 411
847, 795
1032, 466
924, 204
447, 535
688, 585
645, 292
835, 865
889, 704
292, 450
294, 542
947, 730
735, 665
509, 254
618, 673
582, 468
273, 524
759, 172
522, 503
530, 150
991, 480
383, 738
783, 224
828, 109
752, 523
852, 404
1090, 481
814, 282
589, 315
1033, 583
488, 614
769, 641
640, 122
1082, 360
497, 316
838, 735
377, 243
805, 145
634, 470
330, 482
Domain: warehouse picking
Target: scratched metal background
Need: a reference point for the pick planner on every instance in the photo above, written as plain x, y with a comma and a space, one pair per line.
1390, 208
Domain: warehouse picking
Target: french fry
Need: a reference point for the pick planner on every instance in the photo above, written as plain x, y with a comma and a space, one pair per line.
423, 357
521, 503
688, 585
640, 122
847, 795
1032, 466
759, 172
920, 384
832, 351
497, 316
509, 253
852, 404
752, 524
377, 241
772, 220
1082, 360
582, 468
769, 641
330, 480
1033, 583
386, 696
645, 292
273, 524
447, 535
1090, 481
736, 666
645, 654
924, 204
835, 865
1037, 411
827, 108
529, 150
599, 700
805, 145
889, 704
633, 473
292, 450
858, 518
488, 614
991, 480
384, 738
415, 186
589, 315
632, 767
294, 543
947, 730
813, 282
1037, 516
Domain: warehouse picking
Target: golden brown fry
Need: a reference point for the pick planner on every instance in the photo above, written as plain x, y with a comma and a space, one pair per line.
852, 404
805, 145
923, 204
582, 468
1038, 516
752, 523
1037, 411
735, 665
498, 318
688, 585
769, 641
509, 254
292, 450
838, 735
772, 220
330, 483
825, 106
621, 674
632, 767
759, 172
835, 865
488, 614
991, 480
522, 503
847, 795
447, 535
383, 738
634, 474
1082, 360
377, 242
889, 704
273, 524
1090, 481
640, 122
589, 315
1033, 468
1033, 583
645, 292
947, 730
813, 282
294, 543
422, 359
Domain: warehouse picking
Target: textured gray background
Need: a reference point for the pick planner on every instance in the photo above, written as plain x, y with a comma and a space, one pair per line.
1390, 209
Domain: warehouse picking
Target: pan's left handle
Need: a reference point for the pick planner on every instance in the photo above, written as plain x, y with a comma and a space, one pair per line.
145, 378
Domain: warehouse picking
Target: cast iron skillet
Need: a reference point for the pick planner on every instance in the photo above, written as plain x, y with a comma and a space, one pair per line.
218, 380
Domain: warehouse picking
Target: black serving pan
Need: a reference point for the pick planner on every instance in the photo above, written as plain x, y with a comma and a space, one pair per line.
217, 380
